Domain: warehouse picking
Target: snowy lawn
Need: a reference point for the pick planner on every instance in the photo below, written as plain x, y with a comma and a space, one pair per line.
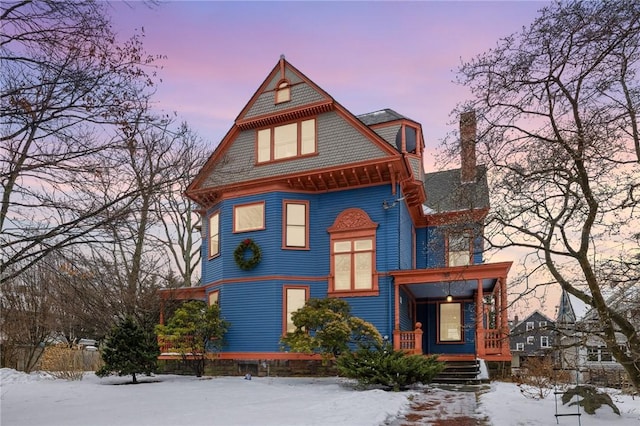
37, 399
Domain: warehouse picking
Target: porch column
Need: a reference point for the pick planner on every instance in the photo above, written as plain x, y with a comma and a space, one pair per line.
504, 324
396, 316
418, 339
480, 350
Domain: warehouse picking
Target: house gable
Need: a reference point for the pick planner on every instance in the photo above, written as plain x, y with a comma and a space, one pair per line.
342, 141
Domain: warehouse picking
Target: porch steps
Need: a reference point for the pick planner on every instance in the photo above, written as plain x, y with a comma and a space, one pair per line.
465, 372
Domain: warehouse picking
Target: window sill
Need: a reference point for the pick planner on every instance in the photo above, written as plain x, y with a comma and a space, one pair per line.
353, 293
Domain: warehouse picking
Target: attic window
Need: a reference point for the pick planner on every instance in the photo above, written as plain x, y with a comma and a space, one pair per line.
283, 92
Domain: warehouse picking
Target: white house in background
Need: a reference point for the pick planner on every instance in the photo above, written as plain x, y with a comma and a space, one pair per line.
581, 349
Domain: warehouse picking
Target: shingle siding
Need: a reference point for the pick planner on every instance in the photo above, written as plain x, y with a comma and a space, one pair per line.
301, 94
338, 144
388, 134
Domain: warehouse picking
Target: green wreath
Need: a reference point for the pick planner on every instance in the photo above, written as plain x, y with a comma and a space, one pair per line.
251, 262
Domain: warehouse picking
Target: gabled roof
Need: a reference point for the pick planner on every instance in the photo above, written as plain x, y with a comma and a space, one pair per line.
446, 193
566, 314
624, 299
349, 152
529, 318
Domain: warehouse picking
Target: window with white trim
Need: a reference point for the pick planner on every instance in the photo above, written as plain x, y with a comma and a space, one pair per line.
599, 354
544, 341
286, 141
459, 248
530, 325
530, 340
520, 346
294, 299
542, 324
248, 217
214, 234
296, 224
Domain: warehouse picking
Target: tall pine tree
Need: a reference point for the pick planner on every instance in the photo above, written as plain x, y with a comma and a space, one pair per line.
129, 350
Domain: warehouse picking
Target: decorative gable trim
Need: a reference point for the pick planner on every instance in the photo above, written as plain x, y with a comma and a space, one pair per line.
352, 219
285, 116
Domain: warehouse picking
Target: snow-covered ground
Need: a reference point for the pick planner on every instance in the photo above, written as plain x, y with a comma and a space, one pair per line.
38, 399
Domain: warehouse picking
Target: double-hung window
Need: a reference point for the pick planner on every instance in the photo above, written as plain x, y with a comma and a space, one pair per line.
353, 262
286, 141
353, 255
544, 341
296, 225
459, 247
214, 234
294, 298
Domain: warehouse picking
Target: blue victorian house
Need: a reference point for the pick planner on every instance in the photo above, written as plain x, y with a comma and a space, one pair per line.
339, 205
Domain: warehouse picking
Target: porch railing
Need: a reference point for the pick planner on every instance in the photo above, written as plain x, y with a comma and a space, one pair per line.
492, 341
409, 341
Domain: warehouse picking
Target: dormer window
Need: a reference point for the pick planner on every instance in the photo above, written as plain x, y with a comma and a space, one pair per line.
286, 141
283, 92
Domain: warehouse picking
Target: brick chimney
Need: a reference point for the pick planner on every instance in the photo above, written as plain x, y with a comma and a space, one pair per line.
468, 147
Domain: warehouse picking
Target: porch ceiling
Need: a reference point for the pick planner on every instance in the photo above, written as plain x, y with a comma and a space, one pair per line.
459, 281
458, 289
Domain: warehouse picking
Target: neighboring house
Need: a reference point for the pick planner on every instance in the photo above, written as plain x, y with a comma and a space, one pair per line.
339, 206
531, 337
581, 349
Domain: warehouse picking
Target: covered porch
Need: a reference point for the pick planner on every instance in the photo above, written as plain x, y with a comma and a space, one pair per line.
456, 312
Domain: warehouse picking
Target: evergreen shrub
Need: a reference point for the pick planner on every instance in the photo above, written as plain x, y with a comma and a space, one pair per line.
379, 364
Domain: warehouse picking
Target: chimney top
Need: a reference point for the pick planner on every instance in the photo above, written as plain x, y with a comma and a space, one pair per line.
468, 147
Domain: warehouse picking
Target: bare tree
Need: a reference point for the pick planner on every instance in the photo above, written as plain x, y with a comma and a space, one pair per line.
179, 221
557, 104
66, 82
28, 314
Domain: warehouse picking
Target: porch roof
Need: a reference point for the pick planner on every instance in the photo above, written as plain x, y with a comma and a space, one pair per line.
458, 281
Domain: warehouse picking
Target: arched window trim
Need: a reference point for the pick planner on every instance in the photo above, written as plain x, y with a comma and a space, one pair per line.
352, 225
282, 91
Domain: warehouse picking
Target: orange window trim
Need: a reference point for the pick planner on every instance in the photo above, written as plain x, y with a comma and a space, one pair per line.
450, 342
214, 295
298, 142
285, 203
350, 225
280, 88
264, 223
285, 288
471, 238
212, 256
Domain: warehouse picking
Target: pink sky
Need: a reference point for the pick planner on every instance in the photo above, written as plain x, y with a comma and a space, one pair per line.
367, 55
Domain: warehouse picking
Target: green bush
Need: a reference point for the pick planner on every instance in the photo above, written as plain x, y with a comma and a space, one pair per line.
326, 326
129, 350
379, 364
